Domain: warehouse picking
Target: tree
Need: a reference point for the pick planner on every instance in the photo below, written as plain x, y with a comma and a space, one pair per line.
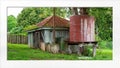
11, 22
103, 22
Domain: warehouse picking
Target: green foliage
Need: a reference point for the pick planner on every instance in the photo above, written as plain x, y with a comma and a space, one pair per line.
28, 16
30, 27
16, 30
105, 44
87, 51
11, 22
103, 22
62, 12
31, 16
23, 52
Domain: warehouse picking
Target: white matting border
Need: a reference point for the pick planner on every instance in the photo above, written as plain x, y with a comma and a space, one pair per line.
58, 63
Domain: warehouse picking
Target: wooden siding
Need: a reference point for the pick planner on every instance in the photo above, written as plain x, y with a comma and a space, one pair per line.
30, 40
45, 36
58, 34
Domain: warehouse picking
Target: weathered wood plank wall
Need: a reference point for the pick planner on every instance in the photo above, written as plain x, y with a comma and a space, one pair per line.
17, 39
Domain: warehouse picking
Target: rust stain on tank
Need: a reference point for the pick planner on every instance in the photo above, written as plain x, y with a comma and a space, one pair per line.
82, 28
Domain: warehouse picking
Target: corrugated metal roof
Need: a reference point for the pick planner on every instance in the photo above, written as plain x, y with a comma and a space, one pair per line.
48, 22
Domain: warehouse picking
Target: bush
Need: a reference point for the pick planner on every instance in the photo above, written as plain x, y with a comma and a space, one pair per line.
87, 51
105, 44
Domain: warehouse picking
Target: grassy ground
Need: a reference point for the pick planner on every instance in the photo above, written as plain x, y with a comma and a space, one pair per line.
23, 52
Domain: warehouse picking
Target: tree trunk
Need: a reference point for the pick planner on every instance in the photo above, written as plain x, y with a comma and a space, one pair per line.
83, 11
75, 11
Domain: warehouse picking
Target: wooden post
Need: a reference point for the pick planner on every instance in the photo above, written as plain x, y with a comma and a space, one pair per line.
69, 49
54, 25
79, 51
94, 49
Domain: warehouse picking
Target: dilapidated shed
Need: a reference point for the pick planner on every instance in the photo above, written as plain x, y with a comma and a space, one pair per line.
45, 31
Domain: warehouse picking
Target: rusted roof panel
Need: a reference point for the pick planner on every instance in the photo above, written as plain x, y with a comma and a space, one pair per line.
48, 22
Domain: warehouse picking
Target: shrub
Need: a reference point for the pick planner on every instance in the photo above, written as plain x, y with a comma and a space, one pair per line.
105, 44
87, 51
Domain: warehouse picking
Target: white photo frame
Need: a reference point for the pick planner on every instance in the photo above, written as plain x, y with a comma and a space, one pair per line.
59, 63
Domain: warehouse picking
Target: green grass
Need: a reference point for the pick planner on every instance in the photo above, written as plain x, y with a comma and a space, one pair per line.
23, 52
103, 54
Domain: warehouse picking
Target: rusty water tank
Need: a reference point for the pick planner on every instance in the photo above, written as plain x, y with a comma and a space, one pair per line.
82, 28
